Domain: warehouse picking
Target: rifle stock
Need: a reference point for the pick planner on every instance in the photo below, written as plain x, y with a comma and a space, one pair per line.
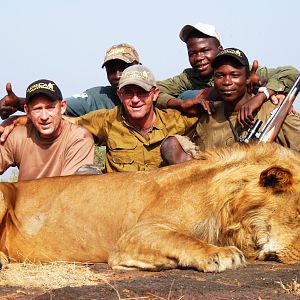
277, 117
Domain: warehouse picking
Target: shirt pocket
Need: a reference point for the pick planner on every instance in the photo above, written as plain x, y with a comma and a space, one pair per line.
122, 151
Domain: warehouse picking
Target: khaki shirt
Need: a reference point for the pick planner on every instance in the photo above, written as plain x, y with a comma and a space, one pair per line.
127, 149
279, 80
215, 131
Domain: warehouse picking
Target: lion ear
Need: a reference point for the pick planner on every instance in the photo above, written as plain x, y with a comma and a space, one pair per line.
276, 177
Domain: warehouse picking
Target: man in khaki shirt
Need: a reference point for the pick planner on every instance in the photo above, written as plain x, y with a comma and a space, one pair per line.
134, 131
48, 146
221, 128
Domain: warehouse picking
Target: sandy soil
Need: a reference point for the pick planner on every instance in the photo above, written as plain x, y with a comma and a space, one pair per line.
259, 280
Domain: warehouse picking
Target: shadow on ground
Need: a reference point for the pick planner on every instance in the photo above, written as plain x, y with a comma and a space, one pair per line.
259, 280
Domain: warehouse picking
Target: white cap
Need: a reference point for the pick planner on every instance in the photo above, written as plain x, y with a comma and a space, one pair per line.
207, 29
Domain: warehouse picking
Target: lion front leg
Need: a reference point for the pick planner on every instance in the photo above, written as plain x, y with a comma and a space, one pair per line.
7, 196
153, 246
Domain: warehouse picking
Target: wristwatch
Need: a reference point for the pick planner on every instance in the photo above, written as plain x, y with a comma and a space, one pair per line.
264, 90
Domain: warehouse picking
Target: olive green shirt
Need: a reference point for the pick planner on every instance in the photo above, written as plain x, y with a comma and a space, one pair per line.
127, 149
215, 130
279, 80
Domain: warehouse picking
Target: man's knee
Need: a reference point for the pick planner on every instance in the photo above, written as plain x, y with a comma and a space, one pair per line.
172, 152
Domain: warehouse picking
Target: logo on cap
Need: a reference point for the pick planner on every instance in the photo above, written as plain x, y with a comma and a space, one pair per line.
236, 52
44, 86
41, 85
136, 74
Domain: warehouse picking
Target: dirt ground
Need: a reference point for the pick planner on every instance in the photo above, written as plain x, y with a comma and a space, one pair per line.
259, 280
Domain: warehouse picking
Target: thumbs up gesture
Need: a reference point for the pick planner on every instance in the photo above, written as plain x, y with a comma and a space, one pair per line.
9, 103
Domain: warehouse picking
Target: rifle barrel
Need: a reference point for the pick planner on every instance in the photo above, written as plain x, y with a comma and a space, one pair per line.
278, 115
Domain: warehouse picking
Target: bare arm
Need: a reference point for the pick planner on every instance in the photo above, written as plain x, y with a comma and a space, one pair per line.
247, 111
203, 102
9, 124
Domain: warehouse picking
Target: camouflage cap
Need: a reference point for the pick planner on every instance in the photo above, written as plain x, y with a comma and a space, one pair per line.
138, 75
123, 52
45, 87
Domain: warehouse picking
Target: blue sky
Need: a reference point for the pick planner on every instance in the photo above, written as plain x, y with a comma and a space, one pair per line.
65, 40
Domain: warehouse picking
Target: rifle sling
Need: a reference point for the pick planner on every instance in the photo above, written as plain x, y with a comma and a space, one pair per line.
234, 131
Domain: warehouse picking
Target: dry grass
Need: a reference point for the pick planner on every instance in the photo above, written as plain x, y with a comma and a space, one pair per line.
47, 277
50, 276
292, 288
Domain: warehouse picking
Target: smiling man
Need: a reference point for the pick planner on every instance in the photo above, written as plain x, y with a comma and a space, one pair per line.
116, 60
134, 130
221, 128
47, 146
231, 79
203, 43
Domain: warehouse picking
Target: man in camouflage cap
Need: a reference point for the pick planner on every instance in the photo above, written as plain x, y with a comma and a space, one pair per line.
117, 58
133, 131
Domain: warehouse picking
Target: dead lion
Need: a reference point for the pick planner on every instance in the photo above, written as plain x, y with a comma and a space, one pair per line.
207, 214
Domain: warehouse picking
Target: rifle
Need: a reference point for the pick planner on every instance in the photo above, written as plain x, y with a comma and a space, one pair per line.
277, 117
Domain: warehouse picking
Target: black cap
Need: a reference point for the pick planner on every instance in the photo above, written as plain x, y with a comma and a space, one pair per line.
46, 87
236, 54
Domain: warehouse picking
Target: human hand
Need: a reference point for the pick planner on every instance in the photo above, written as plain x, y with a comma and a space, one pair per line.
246, 112
206, 98
254, 80
202, 102
9, 124
277, 99
5, 129
9, 103
194, 107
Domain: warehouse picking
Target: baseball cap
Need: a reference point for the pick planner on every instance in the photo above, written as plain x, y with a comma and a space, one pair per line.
138, 75
123, 52
206, 29
46, 87
236, 54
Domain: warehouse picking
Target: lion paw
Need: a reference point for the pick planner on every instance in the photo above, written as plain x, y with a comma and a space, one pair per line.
224, 258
